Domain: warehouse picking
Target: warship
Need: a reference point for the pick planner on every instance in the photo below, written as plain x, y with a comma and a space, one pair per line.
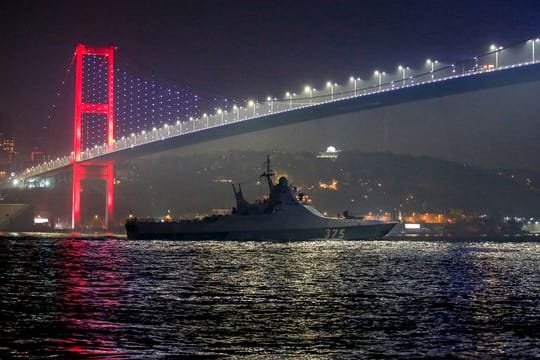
281, 216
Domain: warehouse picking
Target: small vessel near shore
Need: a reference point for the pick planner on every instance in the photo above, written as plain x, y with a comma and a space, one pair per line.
281, 216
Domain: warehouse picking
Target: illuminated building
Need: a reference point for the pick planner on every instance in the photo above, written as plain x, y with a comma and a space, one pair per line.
383, 216
429, 218
332, 185
7, 155
330, 153
8, 146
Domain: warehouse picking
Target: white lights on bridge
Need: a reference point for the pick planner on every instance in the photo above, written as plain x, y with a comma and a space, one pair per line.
431, 71
379, 75
403, 70
331, 86
432, 64
355, 81
533, 52
289, 96
220, 113
497, 50
309, 90
251, 103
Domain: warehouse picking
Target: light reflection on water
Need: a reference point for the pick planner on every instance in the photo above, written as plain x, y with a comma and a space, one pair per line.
117, 298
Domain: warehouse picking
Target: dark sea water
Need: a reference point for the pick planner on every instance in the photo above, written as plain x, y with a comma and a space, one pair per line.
333, 299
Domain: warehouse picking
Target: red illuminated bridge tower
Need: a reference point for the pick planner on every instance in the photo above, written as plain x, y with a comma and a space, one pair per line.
92, 169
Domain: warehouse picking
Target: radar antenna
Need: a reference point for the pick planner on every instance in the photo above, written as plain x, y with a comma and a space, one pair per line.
268, 173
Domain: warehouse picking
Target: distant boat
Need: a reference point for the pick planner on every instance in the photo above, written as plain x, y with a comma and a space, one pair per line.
282, 217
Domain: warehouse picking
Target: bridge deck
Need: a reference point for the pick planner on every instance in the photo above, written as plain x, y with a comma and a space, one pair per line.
180, 135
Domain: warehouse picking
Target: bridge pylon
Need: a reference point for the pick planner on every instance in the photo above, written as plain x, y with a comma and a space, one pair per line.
88, 169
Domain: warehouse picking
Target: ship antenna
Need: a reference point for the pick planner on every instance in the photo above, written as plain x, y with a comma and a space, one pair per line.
268, 173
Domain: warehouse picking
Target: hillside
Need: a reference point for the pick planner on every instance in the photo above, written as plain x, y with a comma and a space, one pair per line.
364, 182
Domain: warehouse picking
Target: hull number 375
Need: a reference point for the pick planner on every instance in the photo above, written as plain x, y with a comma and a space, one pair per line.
334, 233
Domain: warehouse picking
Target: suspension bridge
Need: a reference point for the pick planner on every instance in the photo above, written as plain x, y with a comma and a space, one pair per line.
98, 141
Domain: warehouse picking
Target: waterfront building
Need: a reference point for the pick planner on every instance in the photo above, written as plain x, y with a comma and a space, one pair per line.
7, 155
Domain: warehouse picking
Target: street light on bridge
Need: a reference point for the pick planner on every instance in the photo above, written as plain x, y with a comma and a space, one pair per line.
432, 64
289, 96
237, 110
309, 90
354, 80
497, 49
403, 70
205, 116
252, 103
271, 102
331, 85
532, 41
220, 113
379, 74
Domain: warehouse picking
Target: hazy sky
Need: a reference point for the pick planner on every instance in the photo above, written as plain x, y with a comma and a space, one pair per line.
240, 49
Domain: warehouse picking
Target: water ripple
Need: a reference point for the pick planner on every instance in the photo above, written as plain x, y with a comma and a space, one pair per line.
331, 299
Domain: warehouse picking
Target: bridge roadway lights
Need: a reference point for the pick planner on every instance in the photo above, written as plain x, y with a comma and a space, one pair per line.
92, 170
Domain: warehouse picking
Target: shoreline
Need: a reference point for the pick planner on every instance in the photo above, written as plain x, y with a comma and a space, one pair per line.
75, 235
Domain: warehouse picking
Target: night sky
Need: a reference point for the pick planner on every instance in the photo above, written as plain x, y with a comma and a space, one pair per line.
235, 49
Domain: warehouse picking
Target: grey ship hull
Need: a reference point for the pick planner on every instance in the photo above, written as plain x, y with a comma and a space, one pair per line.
156, 231
292, 223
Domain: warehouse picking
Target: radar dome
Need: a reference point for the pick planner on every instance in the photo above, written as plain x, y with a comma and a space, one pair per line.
331, 149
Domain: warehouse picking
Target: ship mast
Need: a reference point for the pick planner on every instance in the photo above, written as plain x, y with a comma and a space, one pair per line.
268, 174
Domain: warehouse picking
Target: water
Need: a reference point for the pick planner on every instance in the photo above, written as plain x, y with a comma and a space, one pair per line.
332, 299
